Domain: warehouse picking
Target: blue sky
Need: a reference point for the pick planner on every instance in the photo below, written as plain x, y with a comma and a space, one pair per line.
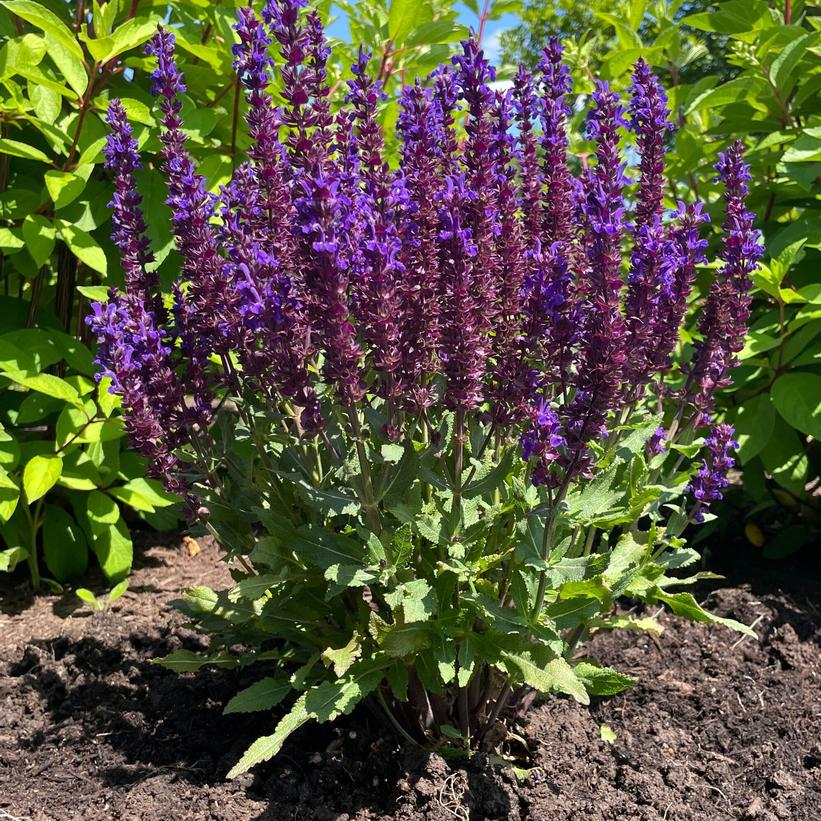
490, 39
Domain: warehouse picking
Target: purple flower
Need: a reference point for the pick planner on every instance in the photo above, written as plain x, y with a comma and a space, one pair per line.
464, 341
473, 75
602, 355
683, 252
325, 215
723, 323
708, 484
257, 202
192, 207
134, 353
509, 383
420, 226
541, 443
382, 201
559, 185
649, 121
526, 108
303, 73
129, 233
656, 443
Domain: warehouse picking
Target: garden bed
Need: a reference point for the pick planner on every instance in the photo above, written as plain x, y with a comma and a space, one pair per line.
717, 728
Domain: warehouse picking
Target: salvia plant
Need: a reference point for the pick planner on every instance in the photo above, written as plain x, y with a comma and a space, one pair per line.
434, 414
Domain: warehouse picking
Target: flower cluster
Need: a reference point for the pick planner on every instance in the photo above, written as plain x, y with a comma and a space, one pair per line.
481, 276
711, 478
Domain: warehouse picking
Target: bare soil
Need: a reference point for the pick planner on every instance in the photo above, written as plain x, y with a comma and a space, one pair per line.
718, 728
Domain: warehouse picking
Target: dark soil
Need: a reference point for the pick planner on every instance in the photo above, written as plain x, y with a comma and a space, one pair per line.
718, 728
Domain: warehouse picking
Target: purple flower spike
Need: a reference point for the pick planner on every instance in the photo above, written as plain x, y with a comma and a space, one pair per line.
603, 355
192, 207
420, 330
325, 215
134, 354
649, 121
559, 185
684, 250
709, 482
130, 229
465, 318
723, 323
525, 106
303, 71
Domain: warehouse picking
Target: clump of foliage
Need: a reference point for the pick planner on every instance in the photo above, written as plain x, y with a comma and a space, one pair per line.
430, 413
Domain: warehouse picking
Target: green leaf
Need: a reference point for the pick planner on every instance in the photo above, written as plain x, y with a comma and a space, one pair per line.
644, 625
416, 600
732, 91
403, 640
254, 587
262, 695
607, 734
9, 496
684, 605
46, 101
783, 65
18, 149
145, 495
43, 383
64, 545
554, 675
64, 187
46, 20
92, 153
406, 15
493, 479
117, 591
69, 65
797, 397
322, 703
112, 541
342, 658
785, 459
88, 597
129, 35
84, 247
94, 293
602, 681
324, 548
11, 557
40, 475
40, 237
754, 425
733, 17
625, 562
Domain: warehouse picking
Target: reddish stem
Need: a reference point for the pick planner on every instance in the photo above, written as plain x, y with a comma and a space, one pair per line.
483, 18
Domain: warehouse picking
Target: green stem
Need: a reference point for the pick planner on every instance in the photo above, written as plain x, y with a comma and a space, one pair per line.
368, 502
547, 544
33, 559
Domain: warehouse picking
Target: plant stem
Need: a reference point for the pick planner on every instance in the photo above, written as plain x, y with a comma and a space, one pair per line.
33, 559
380, 696
547, 543
459, 456
368, 503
